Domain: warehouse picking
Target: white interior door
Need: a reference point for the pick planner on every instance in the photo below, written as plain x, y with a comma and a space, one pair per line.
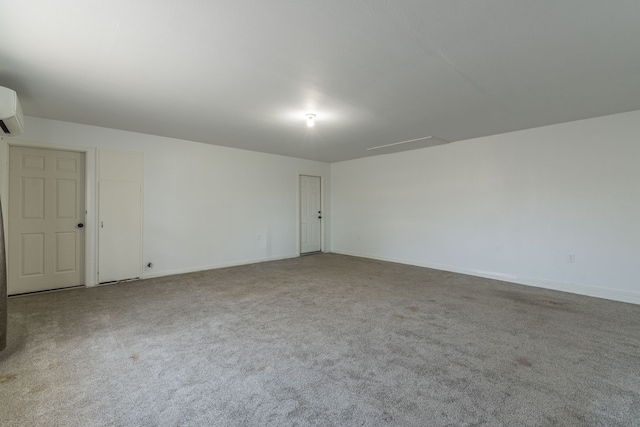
120, 231
310, 214
119, 215
46, 219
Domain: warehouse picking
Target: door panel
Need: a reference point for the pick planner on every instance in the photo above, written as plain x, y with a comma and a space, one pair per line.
66, 252
46, 204
32, 254
66, 198
32, 190
310, 214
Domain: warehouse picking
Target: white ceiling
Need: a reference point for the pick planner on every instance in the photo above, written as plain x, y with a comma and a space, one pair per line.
243, 73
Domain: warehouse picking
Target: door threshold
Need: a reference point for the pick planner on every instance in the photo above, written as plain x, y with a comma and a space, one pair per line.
115, 282
46, 291
311, 253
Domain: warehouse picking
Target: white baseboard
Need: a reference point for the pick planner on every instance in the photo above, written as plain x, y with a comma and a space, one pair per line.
574, 288
215, 266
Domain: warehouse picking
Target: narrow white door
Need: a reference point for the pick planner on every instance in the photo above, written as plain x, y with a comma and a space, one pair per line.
46, 219
119, 215
120, 232
310, 214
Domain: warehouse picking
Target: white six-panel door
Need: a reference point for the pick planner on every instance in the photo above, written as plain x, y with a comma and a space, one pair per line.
310, 214
46, 219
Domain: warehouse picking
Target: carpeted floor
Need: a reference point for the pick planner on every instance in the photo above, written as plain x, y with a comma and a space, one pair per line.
320, 340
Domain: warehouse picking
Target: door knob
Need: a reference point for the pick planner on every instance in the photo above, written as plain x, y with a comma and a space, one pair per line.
319, 217
80, 225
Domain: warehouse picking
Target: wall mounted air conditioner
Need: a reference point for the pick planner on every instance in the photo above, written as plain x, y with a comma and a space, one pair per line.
11, 118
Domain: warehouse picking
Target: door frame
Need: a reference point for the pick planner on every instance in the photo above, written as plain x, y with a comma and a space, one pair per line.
90, 236
299, 215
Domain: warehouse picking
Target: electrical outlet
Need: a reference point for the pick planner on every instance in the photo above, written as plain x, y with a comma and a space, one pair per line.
571, 258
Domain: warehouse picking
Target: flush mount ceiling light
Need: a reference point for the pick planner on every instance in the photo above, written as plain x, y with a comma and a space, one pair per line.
311, 120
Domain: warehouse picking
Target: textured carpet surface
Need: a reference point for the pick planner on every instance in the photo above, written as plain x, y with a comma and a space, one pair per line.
320, 340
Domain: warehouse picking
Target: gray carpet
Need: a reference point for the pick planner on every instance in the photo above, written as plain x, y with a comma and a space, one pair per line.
320, 340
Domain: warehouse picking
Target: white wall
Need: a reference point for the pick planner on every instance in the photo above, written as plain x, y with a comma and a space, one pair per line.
510, 206
204, 206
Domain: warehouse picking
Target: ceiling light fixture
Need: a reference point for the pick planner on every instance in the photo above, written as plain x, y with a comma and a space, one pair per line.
311, 120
